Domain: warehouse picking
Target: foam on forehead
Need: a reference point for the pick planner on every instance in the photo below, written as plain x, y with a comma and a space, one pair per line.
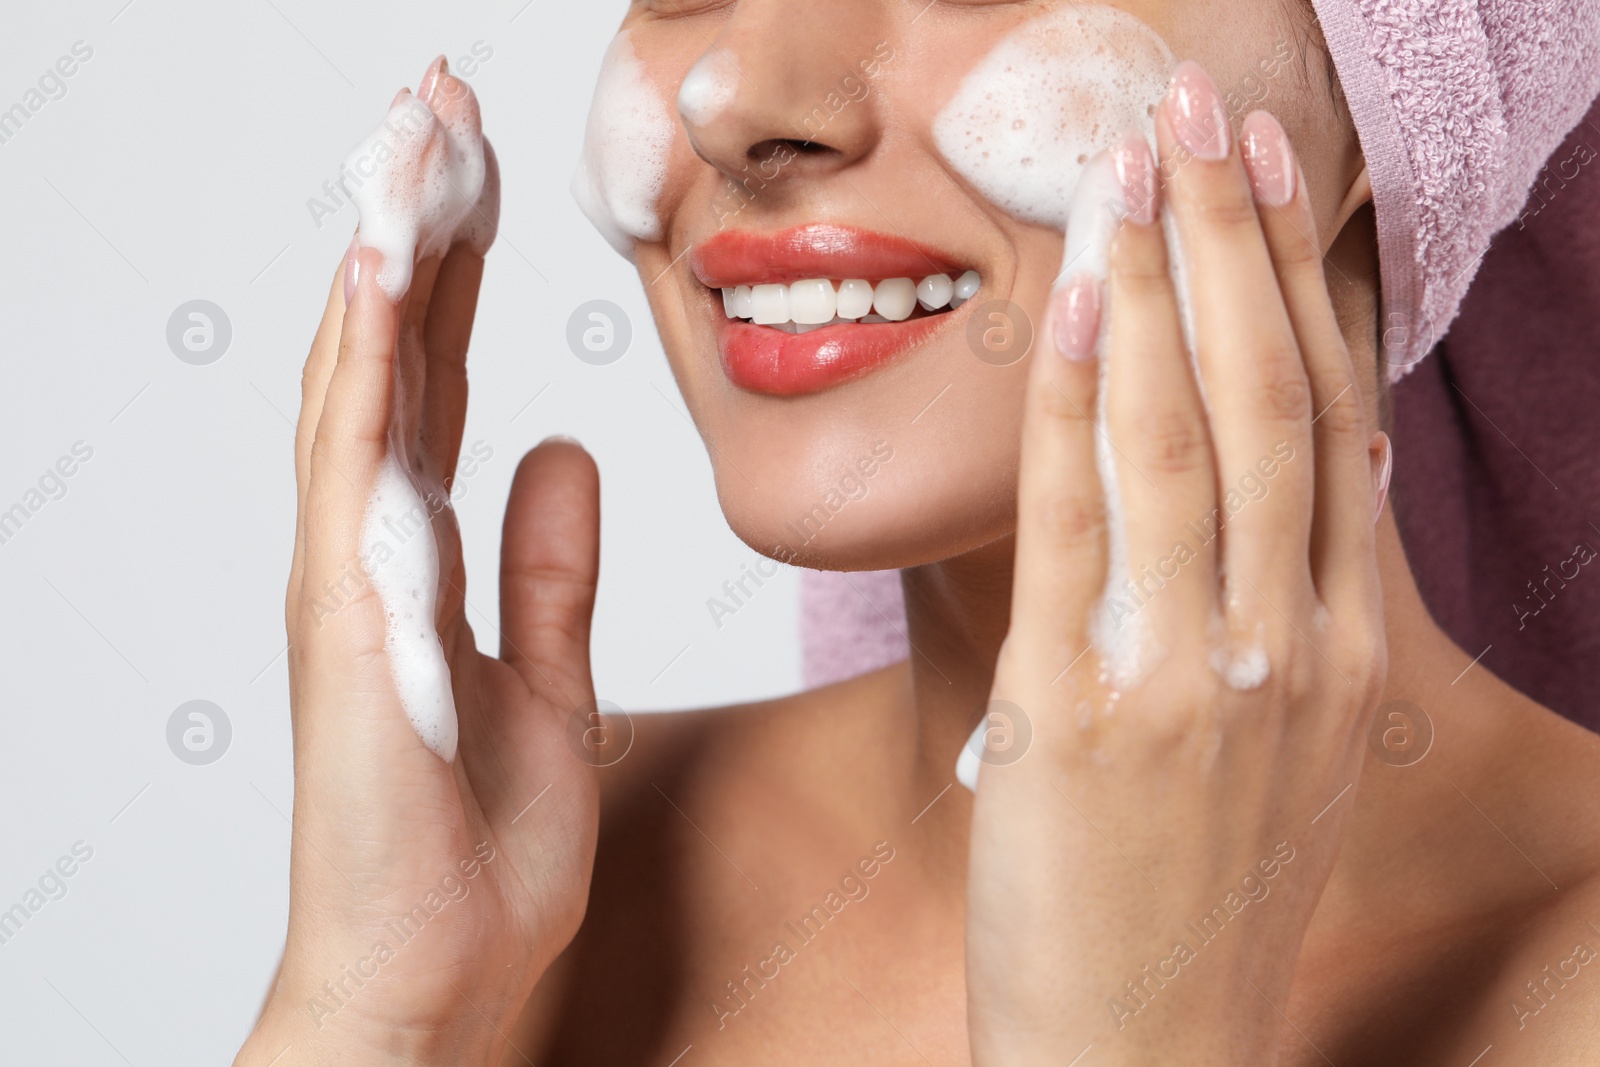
1036, 109
625, 150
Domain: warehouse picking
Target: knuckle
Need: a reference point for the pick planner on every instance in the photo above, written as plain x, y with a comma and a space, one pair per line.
1229, 209
1343, 414
1050, 403
1172, 442
1299, 253
1142, 277
1284, 394
1075, 521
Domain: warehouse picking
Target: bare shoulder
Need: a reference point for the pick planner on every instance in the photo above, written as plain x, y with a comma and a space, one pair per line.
691, 784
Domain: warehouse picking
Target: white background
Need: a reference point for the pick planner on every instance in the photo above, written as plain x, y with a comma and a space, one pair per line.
177, 167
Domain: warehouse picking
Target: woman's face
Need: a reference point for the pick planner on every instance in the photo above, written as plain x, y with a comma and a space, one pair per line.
873, 140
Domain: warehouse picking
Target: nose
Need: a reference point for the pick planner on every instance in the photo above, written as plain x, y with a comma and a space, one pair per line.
789, 86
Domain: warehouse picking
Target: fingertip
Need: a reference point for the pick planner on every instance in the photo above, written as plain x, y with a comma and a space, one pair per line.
1269, 160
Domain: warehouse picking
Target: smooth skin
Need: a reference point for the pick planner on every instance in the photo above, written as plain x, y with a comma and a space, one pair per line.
1417, 902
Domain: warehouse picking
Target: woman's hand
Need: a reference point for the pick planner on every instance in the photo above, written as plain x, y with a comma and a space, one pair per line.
426, 897
1142, 879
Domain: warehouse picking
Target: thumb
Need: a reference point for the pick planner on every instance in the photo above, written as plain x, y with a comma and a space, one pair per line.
549, 563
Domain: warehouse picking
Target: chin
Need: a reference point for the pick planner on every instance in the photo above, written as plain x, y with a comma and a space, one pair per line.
877, 497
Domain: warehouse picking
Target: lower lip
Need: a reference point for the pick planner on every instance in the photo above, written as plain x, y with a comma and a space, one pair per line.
764, 360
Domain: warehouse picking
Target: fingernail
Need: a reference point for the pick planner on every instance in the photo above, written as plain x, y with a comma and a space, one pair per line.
1136, 172
1198, 117
398, 97
1075, 313
430, 79
352, 268
1385, 469
1268, 159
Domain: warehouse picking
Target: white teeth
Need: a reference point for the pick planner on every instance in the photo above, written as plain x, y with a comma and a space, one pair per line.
966, 288
807, 327
934, 291
855, 298
812, 302
895, 299
769, 304
819, 302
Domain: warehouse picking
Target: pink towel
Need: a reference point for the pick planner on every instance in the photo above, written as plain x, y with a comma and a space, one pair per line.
1457, 103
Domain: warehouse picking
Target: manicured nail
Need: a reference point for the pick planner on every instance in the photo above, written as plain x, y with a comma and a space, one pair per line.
1136, 172
1198, 117
1075, 313
398, 97
1385, 469
352, 268
430, 79
1268, 159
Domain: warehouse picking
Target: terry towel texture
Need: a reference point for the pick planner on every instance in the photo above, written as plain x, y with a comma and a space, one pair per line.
1457, 103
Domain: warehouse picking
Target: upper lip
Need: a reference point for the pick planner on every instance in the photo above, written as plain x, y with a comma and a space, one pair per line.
816, 250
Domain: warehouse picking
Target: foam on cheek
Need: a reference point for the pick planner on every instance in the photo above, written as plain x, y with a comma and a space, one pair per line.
708, 88
625, 151
428, 181
1063, 87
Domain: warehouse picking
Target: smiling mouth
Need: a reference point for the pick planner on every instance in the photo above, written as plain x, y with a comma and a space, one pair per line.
817, 305
803, 306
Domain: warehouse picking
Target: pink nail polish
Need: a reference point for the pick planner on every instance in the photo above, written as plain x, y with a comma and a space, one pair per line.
1136, 172
352, 269
430, 79
1075, 313
1198, 117
1384, 472
1268, 159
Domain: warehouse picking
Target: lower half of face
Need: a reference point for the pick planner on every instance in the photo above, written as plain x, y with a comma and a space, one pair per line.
857, 224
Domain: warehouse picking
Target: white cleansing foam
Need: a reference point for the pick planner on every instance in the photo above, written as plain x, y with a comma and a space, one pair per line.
429, 182
708, 88
625, 150
1061, 88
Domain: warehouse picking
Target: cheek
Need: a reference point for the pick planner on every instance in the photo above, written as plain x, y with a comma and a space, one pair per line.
1058, 90
626, 149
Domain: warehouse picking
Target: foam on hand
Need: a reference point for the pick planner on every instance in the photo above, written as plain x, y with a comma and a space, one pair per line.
429, 181
625, 151
1060, 89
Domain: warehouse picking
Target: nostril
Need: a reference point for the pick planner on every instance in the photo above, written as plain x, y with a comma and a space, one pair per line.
765, 150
